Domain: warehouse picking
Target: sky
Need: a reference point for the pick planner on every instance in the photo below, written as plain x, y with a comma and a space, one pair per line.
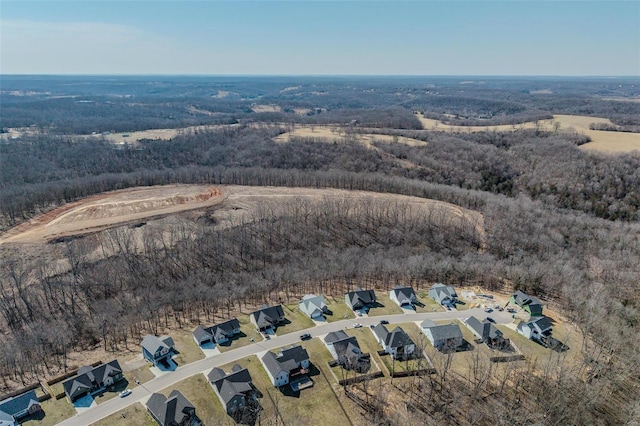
572, 38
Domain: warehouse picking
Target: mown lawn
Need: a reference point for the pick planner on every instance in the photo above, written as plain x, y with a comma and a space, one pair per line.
142, 375
339, 310
428, 304
133, 415
247, 332
53, 412
368, 343
188, 348
384, 306
208, 407
296, 320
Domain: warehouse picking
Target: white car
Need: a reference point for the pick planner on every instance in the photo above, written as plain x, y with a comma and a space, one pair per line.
357, 325
125, 393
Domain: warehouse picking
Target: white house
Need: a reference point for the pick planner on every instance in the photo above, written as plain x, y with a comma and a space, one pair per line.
403, 296
313, 306
537, 329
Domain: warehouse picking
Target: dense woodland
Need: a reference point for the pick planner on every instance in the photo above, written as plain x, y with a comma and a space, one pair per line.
560, 223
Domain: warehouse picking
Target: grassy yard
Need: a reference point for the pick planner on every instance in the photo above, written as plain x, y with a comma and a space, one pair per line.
53, 412
208, 407
429, 305
339, 310
247, 332
261, 382
297, 320
306, 407
142, 374
384, 306
188, 348
368, 343
113, 391
56, 388
133, 415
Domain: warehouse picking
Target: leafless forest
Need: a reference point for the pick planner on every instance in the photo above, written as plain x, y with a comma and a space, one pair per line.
558, 222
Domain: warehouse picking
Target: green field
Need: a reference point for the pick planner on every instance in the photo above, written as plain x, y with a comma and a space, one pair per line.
208, 407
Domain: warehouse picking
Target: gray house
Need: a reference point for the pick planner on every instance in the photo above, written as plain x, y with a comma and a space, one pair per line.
290, 366
396, 343
443, 337
157, 350
531, 304
92, 379
267, 317
15, 408
217, 333
313, 306
360, 299
403, 296
488, 333
235, 390
345, 349
539, 329
444, 294
176, 410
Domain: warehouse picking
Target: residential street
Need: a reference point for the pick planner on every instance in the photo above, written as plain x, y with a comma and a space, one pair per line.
184, 371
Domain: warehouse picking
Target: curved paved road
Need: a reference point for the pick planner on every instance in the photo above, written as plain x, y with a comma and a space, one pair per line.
116, 404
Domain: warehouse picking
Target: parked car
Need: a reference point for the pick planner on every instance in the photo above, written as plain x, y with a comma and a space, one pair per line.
125, 393
491, 319
487, 309
357, 325
305, 336
384, 322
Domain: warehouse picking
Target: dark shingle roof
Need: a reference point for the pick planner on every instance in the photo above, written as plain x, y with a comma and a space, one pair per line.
398, 338
230, 385
153, 343
14, 405
404, 293
335, 336
267, 316
89, 377
287, 359
363, 296
174, 408
522, 299
485, 329
443, 332
348, 349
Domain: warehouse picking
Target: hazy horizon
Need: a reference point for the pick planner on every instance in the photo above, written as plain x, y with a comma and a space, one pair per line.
353, 38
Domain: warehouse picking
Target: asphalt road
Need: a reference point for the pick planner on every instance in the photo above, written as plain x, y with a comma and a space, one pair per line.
143, 391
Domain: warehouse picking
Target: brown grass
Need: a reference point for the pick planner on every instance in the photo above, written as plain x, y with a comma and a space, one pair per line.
133, 415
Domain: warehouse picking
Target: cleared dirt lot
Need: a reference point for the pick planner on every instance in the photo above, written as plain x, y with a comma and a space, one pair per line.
233, 203
604, 141
112, 209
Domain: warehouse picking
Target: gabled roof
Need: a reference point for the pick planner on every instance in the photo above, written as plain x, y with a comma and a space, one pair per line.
523, 299
485, 329
349, 349
90, 377
267, 316
335, 336
236, 383
6, 419
394, 339
287, 359
171, 409
312, 305
543, 323
154, 344
404, 293
443, 332
398, 338
16, 404
363, 296
200, 333
440, 292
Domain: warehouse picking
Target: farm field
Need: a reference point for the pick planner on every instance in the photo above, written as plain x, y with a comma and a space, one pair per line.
339, 134
604, 141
